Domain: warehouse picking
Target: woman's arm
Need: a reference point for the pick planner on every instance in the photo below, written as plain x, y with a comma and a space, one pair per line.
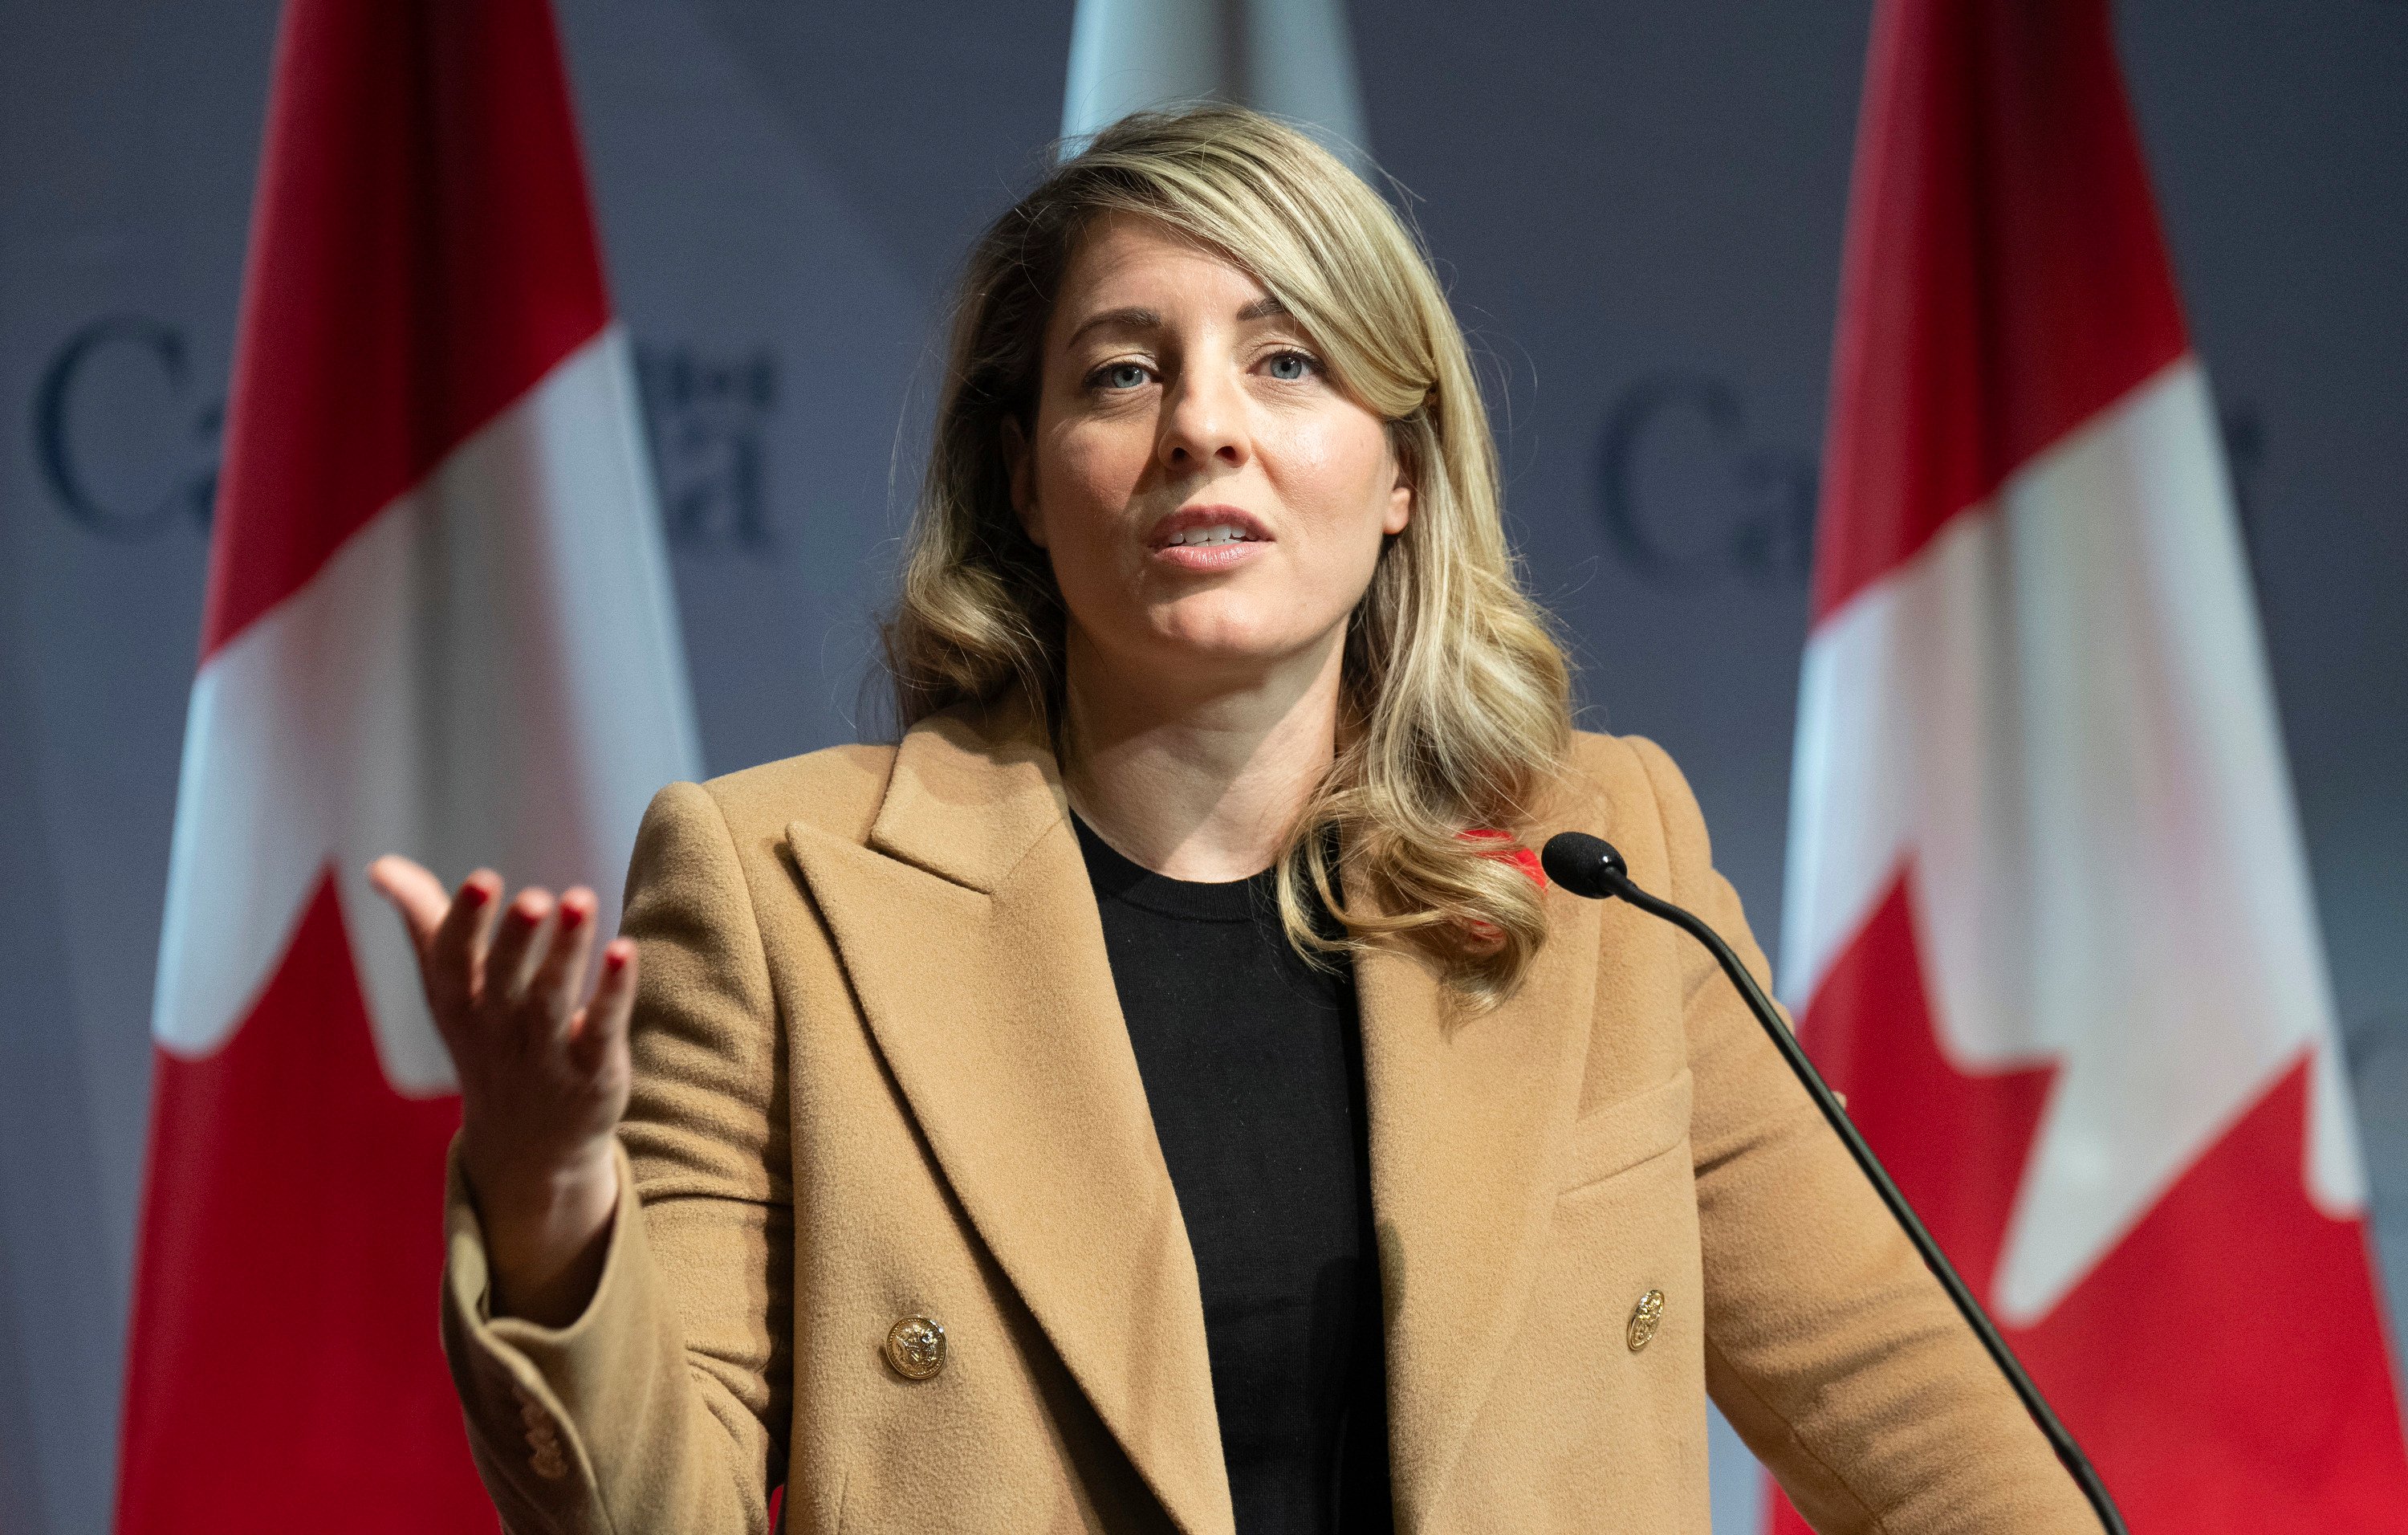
661, 1405
1828, 1346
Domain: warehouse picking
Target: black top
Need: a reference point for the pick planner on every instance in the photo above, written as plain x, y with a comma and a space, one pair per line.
1253, 1068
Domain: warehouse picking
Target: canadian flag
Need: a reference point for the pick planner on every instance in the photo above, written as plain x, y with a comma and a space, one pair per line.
2048, 921
439, 623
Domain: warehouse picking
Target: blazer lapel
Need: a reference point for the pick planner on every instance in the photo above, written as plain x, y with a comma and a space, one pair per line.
969, 929
1466, 1113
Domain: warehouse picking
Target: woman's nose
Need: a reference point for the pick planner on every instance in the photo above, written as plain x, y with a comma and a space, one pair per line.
1205, 423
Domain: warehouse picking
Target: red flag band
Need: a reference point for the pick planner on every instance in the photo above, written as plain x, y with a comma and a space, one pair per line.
439, 623
2048, 923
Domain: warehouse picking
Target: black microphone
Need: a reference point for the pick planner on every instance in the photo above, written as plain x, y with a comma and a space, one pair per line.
1589, 865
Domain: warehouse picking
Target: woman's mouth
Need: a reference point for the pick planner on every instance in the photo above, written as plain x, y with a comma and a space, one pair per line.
1207, 538
1219, 533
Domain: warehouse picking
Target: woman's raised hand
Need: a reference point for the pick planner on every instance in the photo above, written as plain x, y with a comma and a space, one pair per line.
542, 1079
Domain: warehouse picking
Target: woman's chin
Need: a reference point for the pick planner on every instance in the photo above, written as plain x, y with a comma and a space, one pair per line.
1223, 652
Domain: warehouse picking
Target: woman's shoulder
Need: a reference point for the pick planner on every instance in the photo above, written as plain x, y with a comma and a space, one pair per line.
835, 789
1627, 769
1638, 798
956, 777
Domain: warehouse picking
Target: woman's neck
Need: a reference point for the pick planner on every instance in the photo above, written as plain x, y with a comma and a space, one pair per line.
1198, 779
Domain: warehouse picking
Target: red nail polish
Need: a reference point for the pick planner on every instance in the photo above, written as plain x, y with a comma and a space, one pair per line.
614, 960
475, 893
572, 916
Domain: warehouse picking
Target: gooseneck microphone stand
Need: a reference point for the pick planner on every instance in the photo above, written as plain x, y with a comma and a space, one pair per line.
1589, 865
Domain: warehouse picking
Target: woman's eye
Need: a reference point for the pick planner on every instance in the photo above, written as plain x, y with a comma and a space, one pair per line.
1289, 367
1122, 376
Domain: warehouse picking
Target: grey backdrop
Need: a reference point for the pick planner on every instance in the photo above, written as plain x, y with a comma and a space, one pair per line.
1639, 211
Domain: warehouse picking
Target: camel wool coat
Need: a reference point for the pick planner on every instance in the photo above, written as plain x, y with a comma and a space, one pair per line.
881, 1073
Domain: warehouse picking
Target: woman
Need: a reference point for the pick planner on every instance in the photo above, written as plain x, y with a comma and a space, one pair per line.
1157, 1094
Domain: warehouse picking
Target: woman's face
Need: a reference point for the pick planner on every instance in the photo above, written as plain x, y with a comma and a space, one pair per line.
1212, 504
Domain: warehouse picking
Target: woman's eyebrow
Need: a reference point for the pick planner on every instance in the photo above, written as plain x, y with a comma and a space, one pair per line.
1138, 317
1132, 317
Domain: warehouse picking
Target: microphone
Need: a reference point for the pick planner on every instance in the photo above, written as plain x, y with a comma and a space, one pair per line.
1589, 865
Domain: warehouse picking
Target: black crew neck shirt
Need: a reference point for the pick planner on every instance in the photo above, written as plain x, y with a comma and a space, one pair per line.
1253, 1064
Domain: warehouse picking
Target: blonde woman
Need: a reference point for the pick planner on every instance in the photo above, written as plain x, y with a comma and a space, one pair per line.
1157, 1094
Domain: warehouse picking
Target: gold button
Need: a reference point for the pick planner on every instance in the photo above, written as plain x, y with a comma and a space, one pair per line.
915, 1346
1645, 1318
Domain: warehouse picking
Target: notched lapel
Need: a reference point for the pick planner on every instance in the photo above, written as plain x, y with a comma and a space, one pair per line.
968, 802
1466, 1113
970, 932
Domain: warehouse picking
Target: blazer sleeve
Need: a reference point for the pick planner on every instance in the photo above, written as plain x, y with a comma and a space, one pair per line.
662, 1406
1829, 1347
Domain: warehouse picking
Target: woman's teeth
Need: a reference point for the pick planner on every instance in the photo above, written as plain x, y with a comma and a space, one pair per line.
1219, 533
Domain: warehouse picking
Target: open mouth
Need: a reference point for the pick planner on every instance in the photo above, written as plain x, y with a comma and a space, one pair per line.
1217, 533
1195, 533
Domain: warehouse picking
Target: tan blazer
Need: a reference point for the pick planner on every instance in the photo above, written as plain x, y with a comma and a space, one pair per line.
881, 1074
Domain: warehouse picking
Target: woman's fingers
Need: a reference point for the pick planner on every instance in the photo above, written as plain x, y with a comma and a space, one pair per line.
454, 957
561, 974
604, 1024
416, 894
519, 964
518, 949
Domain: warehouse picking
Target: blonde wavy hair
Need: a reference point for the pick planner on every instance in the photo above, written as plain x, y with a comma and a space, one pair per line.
1456, 696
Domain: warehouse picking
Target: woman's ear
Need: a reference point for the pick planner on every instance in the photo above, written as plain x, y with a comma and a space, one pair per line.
1400, 502
1023, 465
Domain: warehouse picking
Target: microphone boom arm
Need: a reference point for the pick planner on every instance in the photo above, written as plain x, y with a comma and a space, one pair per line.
1591, 861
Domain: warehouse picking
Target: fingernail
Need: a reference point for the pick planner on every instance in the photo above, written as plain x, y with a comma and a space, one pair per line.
475, 893
614, 960
573, 913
